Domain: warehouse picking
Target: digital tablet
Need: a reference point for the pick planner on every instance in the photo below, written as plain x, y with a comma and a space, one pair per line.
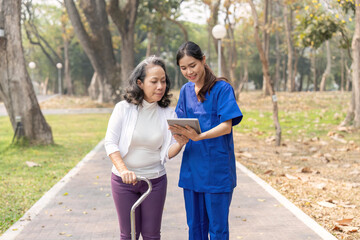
191, 122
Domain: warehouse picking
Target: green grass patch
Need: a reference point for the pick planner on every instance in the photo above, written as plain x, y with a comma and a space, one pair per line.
295, 124
20, 185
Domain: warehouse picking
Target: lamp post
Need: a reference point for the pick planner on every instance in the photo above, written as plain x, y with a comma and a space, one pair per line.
59, 67
219, 32
32, 66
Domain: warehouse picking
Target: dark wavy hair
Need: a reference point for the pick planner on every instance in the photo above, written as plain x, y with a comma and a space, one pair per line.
191, 49
134, 94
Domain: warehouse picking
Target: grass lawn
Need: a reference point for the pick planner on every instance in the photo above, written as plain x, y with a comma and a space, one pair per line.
20, 185
301, 115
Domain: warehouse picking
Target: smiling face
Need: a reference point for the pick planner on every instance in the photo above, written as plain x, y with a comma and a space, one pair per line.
154, 84
193, 69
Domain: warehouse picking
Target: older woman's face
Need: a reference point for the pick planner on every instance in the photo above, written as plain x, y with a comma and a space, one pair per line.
154, 84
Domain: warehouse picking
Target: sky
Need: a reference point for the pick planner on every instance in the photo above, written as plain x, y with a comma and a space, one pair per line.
192, 12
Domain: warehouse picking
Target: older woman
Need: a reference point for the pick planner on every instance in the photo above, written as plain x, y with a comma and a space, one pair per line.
138, 142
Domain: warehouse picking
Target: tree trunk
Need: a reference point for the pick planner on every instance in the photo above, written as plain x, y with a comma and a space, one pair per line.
296, 60
313, 68
351, 111
66, 38
243, 81
355, 45
98, 46
232, 49
283, 74
67, 78
278, 56
307, 83
348, 77
212, 21
290, 75
124, 15
327, 72
93, 89
265, 68
16, 89
266, 39
342, 70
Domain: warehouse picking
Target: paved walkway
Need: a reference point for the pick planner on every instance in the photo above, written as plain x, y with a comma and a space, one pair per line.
80, 206
43, 98
40, 98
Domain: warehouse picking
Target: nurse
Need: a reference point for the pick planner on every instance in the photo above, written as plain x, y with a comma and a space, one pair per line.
208, 172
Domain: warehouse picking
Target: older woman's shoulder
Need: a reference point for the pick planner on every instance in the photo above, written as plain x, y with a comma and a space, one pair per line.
124, 105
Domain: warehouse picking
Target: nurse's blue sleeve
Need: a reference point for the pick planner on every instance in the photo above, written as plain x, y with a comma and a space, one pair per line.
180, 107
227, 107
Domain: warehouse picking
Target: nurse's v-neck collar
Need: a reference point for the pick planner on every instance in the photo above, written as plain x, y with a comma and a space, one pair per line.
194, 95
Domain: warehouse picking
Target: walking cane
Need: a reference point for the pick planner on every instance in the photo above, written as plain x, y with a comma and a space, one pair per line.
136, 204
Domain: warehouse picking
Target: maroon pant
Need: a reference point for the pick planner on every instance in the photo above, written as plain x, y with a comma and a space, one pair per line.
148, 215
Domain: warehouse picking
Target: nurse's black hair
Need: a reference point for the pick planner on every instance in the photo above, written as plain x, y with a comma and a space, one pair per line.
134, 94
191, 49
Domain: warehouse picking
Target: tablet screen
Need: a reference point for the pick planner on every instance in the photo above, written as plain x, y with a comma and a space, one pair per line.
192, 122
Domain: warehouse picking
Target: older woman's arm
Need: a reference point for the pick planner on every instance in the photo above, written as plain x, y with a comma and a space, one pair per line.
178, 145
126, 175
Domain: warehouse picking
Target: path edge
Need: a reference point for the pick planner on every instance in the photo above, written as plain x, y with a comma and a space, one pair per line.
308, 221
18, 226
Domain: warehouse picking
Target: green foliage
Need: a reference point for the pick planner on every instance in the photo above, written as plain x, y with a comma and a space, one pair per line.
20, 185
317, 27
347, 5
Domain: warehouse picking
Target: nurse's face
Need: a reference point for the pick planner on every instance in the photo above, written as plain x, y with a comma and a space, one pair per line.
193, 69
154, 84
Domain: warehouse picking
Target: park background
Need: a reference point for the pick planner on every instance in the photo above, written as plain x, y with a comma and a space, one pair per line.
302, 52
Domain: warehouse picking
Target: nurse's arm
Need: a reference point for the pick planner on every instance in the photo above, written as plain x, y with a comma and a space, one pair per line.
220, 130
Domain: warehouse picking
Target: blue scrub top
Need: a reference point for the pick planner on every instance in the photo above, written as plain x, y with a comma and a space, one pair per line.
209, 165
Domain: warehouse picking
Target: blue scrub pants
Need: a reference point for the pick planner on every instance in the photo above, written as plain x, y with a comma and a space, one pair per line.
207, 213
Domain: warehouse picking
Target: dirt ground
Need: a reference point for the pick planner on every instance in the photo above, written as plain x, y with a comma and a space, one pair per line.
321, 178
320, 175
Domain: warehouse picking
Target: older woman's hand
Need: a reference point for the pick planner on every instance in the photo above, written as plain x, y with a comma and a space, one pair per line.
128, 177
181, 139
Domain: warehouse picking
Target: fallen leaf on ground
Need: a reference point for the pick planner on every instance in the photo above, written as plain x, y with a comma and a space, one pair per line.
326, 204
32, 164
291, 177
305, 170
346, 229
338, 139
246, 155
269, 171
344, 222
320, 186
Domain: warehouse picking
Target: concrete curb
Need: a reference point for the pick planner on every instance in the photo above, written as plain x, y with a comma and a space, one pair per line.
308, 221
17, 227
